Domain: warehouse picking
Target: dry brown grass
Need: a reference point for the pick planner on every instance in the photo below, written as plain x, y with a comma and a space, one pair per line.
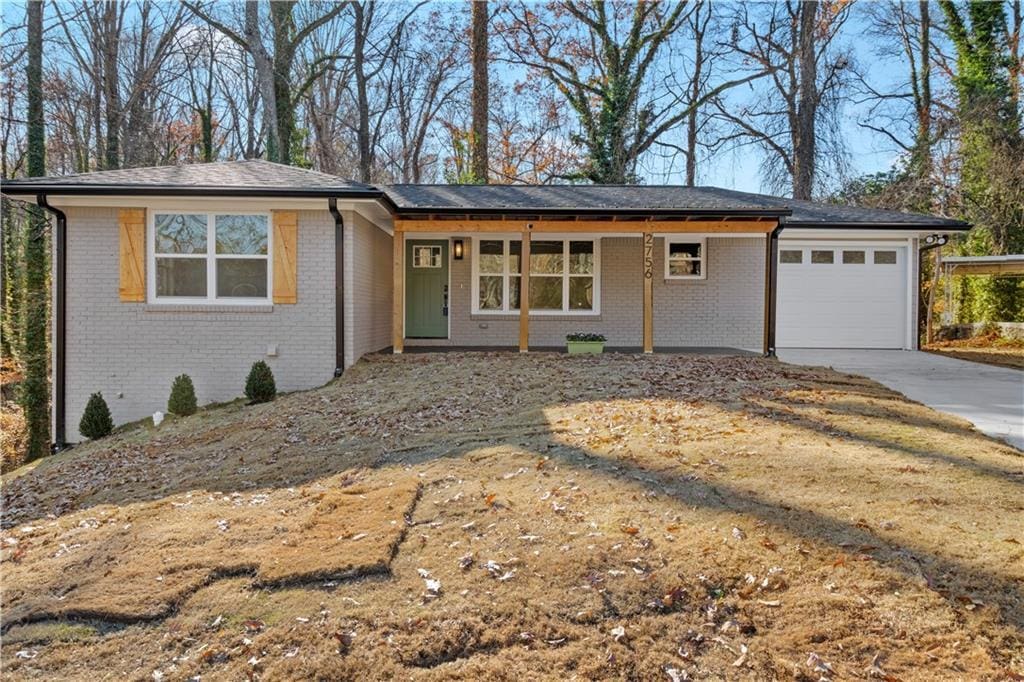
990, 349
733, 516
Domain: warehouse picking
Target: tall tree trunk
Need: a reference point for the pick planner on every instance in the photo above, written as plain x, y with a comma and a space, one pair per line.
480, 90
807, 104
264, 78
284, 54
923, 144
692, 119
111, 91
1015, 33
35, 390
362, 28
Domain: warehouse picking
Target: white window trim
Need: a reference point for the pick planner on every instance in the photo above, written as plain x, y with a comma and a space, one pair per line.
211, 261
506, 275
703, 260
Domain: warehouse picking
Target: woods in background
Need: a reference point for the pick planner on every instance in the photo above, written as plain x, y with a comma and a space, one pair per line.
512, 91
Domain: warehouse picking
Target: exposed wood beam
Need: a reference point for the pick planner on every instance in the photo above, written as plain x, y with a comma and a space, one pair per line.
648, 270
398, 293
524, 294
566, 226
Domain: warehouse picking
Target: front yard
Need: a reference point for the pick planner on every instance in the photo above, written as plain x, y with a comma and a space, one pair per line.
499, 516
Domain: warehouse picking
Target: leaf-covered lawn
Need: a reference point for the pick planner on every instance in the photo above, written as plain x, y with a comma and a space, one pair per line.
501, 516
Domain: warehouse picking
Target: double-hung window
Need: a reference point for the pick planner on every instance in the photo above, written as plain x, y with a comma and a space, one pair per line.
210, 257
563, 275
685, 258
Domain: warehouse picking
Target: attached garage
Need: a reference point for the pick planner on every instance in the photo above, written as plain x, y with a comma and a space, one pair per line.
844, 294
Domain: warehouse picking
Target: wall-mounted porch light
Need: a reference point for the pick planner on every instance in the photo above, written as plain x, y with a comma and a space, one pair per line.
457, 249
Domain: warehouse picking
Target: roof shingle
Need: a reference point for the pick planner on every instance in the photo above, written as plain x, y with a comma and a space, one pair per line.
251, 174
257, 177
640, 198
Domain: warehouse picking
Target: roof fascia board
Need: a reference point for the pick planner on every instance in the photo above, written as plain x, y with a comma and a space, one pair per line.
831, 225
638, 212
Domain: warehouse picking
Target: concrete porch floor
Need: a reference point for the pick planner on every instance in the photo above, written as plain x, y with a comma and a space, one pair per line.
681, 350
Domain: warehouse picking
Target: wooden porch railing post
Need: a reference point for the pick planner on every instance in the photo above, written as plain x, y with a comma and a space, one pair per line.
524, 293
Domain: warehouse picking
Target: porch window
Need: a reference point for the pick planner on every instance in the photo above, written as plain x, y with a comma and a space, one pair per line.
684, 258
563, 273
217, 257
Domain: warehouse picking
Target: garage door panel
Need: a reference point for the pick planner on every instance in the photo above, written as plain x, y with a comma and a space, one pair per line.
853, 304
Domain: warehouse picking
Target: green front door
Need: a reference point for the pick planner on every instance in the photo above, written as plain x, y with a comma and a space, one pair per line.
426, 289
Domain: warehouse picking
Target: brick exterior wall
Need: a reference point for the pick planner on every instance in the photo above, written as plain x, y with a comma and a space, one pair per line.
726, 309
368, 287
132, 351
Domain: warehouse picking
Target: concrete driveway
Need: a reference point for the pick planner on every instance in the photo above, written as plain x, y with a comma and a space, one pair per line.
991, 398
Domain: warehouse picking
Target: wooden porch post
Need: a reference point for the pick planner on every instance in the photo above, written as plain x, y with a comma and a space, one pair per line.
524, 294
398, 293
648, 292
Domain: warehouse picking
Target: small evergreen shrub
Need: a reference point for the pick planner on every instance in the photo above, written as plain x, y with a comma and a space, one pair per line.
260, 386
183, 396
96, 421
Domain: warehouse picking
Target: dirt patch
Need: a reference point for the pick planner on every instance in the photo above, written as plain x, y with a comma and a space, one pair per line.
619, 516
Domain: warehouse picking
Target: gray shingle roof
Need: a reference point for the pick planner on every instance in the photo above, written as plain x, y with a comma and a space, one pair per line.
262, 178
254, 175
643, 198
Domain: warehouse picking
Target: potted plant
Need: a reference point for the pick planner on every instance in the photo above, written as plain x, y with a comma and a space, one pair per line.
581, 342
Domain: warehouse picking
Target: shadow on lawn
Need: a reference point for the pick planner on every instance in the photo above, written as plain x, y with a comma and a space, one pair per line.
694, 492
529, 424
802, 415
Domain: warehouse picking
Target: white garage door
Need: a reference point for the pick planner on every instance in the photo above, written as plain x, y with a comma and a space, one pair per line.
842, 296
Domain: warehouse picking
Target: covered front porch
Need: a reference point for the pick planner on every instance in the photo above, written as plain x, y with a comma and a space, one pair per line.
647, 282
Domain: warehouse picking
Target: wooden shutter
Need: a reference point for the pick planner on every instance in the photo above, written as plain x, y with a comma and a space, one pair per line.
286, 233
132, 222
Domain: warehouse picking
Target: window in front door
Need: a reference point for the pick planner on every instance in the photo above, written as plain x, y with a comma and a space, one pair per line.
426, 257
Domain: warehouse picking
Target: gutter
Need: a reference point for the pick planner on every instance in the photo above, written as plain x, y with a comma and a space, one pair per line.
339, 287
14, 188
60, 240
771, 274
868, 225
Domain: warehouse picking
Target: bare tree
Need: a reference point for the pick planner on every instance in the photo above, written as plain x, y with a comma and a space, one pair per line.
599, 58
376, 43
794, 119
429, 76
279, 91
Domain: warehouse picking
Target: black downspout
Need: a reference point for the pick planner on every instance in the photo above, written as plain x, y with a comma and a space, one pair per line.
771, 255
339, 287
60, 240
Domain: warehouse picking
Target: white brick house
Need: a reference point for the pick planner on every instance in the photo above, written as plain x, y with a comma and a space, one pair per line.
204, 269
